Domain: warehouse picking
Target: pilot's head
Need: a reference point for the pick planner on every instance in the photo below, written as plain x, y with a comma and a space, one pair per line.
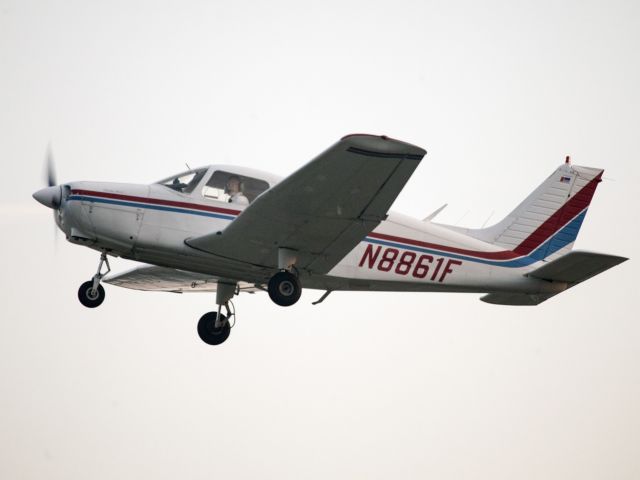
234, 185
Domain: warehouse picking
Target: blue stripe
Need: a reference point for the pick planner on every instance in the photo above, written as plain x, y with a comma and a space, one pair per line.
151, 206
564, 237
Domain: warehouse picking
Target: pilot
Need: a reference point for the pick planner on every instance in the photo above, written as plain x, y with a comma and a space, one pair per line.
234, 190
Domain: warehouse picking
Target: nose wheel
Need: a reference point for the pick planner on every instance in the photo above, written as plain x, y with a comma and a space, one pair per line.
91, 294
90, 297
284, 288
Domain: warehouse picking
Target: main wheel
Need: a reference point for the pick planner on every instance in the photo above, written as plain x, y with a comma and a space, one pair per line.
89, 297
284, 289
209, 333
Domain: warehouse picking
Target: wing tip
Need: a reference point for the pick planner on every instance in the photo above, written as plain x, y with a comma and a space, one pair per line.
383, 145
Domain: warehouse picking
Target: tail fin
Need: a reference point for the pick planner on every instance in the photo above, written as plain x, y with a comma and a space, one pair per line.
546, 224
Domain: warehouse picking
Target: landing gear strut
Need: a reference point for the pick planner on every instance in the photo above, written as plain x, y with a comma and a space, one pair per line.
91, 294
214, 327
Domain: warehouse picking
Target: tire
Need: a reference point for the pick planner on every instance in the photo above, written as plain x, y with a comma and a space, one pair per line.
88, 299
208, 332
284, 289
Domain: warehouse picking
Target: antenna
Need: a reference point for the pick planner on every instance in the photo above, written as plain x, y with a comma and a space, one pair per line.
488, 218
460, 219
189, 168
567, 160
433, 215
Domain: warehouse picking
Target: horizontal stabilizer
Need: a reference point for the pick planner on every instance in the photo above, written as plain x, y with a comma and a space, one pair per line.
516, 298
576, 267
570, 269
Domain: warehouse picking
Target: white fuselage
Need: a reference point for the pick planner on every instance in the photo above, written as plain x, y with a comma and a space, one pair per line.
149, 223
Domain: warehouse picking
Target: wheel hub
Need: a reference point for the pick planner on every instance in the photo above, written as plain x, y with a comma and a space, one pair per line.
92, 294
286, 288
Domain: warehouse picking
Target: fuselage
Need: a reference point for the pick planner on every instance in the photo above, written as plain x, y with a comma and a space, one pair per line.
150, 223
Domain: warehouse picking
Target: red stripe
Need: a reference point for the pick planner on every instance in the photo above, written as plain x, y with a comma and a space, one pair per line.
157, 201
501, 255
568, 211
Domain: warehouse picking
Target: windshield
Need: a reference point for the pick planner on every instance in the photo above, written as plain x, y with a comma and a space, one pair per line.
184, 182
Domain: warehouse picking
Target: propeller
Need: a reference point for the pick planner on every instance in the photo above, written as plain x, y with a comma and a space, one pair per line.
50, 172
51, 195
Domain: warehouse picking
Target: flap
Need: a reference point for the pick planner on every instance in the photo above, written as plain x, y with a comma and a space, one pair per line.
161, 279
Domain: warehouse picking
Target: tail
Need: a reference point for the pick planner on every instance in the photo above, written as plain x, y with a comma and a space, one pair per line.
545, 225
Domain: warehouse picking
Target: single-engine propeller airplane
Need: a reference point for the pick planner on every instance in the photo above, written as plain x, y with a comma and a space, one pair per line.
326, 226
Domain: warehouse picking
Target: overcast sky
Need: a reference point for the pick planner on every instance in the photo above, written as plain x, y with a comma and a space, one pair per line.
366, 385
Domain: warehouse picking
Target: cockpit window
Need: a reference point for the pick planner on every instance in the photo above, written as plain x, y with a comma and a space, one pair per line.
233, 188
184, 182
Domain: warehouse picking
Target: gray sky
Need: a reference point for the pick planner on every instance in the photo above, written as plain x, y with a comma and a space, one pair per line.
364, 385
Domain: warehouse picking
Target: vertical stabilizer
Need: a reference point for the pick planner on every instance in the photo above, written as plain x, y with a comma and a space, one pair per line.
546, 224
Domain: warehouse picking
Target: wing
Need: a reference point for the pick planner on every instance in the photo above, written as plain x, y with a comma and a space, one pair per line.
323, 210
161, 279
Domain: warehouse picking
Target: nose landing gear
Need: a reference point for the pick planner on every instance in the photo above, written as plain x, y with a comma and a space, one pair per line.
90, 297
91, 294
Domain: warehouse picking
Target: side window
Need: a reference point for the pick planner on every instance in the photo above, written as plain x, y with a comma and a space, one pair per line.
233, 188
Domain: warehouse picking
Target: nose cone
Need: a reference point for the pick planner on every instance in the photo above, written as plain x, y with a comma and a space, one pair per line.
49, 197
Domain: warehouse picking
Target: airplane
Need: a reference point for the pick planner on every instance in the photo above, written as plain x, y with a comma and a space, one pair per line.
327, 226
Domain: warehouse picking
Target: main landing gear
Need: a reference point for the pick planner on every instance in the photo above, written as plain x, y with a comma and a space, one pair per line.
284, 287
214, 327
213, 331
91, 294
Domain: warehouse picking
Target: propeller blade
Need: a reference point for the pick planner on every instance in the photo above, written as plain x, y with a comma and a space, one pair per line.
51, 171
55, 233
52, 195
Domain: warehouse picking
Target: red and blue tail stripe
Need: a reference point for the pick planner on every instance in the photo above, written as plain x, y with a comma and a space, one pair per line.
570, 210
